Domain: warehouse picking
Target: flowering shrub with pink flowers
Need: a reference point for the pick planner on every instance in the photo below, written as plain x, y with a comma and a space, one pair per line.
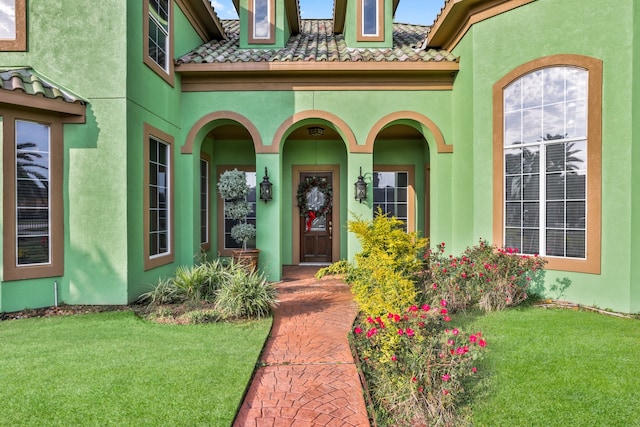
417, 364
484, 276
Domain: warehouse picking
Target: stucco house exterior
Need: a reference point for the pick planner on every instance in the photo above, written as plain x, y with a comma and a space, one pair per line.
516, 121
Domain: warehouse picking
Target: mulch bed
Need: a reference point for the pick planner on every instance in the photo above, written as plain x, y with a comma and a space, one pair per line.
63, 310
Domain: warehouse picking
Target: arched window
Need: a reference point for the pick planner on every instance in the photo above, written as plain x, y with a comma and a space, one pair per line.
547, 161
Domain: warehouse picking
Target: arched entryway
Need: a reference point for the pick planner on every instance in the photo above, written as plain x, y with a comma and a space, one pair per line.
314, 160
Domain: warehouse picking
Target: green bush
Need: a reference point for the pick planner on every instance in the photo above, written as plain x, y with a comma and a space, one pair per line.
484, 276
383, 275
247, 294
234, 290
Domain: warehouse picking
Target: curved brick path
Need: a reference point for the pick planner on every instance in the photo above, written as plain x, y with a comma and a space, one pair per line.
308, 376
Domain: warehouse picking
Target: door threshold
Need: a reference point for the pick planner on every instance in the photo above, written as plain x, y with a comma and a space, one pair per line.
314, 264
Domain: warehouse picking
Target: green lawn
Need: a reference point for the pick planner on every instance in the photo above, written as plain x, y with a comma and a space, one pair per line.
559, 368
114, 369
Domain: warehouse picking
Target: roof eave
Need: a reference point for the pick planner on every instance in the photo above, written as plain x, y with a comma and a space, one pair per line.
339, 15
311, 75
457, 16
203, 18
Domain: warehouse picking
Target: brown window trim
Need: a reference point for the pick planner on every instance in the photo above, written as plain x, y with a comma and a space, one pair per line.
411, 190
20, 42
157, 261
222, 251
272, 21
360, 36
594, 149
167, 75
207, 245
56, 267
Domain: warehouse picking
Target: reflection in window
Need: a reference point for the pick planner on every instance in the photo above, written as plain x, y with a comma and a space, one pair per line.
545, 162
159, 32
204, 201
370, 17
158, 197
261, 27
33, 196
229, 242
8, 20
391, 194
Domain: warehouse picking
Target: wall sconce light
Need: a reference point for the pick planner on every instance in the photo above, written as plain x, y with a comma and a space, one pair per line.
265, 187
315, 131
360, 188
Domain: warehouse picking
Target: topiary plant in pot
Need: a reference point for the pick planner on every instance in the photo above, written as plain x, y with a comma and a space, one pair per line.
233, 189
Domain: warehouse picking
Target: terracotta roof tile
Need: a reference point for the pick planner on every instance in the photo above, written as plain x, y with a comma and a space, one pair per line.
317, 42
28, 81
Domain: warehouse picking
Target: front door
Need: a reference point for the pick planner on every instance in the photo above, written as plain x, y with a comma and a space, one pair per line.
316, 221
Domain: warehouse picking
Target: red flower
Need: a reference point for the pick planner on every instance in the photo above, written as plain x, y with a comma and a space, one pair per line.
473, 338
400, 331
371, 332
482, 343
414, 379
445, 392
447, 318
474, 369
443, 311
413, 308
394, 358
455, 331
446, 377
426, 307
410, 332
357, 330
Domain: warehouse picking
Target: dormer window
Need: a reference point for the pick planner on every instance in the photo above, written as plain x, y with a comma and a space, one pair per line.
262, 17
370, 20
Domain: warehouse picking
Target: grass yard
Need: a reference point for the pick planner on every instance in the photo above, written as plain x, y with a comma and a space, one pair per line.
114, 369
559, 368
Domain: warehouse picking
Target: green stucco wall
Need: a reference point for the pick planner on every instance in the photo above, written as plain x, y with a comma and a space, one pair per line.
635, 159
95, 256
494, 47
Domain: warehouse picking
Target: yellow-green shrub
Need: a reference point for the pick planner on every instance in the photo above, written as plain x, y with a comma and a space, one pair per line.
382, 279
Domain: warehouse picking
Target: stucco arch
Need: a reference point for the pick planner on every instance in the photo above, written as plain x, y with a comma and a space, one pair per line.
205, 124
341, 127
441, 146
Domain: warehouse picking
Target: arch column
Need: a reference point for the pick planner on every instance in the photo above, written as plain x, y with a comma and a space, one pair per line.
355, 208
269, 217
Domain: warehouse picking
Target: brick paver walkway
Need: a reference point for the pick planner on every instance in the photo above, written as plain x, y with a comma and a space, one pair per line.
308, 377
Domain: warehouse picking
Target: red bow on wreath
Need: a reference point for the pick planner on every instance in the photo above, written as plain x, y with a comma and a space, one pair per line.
310, 217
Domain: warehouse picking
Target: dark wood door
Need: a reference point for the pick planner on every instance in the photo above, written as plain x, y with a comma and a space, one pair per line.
316, 225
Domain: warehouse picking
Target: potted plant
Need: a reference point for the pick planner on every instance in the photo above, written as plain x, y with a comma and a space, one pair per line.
233, 189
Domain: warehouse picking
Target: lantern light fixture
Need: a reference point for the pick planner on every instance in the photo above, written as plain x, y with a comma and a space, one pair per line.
266, 191
360, 188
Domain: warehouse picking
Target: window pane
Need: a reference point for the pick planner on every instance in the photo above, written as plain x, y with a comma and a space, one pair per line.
158, 197
553, 121
555, 186
530, 242
554, 81
251, 218
391, 194
513, 188
576, 112
532, 89
532, 125
204, 201
514, 214
513, 238
555, 242
576, 244
531, 214
33, 198
513, 97
370, 17
531, 187
555, 214
513, 161
261, 19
